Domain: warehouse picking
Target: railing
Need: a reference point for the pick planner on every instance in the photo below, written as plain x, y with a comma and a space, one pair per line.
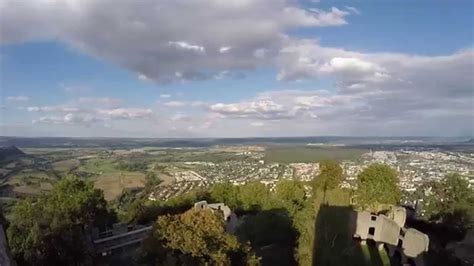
117, 241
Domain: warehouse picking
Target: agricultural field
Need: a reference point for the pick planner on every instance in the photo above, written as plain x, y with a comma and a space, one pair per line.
114, 183
66, 166
37, 170
307, 154
121, 168
112, 170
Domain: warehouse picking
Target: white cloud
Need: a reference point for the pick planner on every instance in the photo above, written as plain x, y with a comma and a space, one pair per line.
179, 117
314, 17
187, 46
183, 103
307, 59
257, 124
143, 77
258, 108
224, 49
52, 109
18, 98
260, 53
352, 10
126, 113
68, 119
222, 74
164, 96
400, 93
74, 89
102, 102
339, 64
69, 115
166, 40
175, 104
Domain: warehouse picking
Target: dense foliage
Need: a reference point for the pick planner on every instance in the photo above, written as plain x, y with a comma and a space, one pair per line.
377, 186
451, 202
330, 175
132, 166
52, 230
197, 237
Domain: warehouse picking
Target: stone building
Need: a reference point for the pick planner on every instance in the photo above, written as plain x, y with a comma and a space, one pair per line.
388, 231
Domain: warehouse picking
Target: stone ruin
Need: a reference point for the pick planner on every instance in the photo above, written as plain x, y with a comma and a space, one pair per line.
388, 231
229, 217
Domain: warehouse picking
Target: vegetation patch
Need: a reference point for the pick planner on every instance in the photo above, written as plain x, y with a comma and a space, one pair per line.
304, 154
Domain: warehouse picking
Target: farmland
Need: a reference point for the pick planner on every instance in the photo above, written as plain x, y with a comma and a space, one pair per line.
307, 154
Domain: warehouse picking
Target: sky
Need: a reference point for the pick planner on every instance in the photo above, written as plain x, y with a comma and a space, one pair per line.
236, 68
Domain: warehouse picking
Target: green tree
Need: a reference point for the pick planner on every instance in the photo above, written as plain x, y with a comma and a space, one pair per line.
197, 236
51, 230
152, 180
254, 196
377, 186
330, 175
451, 202
226, 193
292, 193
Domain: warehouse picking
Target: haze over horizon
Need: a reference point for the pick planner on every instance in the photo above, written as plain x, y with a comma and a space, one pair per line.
249, 68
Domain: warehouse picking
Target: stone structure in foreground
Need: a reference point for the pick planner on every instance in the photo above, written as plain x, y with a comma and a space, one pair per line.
389, 231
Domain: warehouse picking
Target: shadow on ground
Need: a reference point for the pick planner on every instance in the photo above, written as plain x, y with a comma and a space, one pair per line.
271, 235
333, 242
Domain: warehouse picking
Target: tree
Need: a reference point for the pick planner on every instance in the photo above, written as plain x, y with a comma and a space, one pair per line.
451, 202
151, 180
197, 236
226, 193
254, 196
260, 228
292, 193
51, 230
330, 176
377, 185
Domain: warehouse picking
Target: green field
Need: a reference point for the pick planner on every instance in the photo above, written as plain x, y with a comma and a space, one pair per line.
305, 154
97, 166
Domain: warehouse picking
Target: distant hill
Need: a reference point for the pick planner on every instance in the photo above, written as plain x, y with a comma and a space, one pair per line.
10, 152
471, 140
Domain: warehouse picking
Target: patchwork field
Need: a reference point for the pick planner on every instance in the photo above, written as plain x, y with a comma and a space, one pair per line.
305, 154
114, 183
66, 165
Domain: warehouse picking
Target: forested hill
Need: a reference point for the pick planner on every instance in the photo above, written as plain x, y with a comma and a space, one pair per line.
10, 152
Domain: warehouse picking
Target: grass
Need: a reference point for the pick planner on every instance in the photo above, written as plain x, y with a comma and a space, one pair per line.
310, 154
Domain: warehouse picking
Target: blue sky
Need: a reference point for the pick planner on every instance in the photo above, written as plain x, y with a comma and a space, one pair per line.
326, 68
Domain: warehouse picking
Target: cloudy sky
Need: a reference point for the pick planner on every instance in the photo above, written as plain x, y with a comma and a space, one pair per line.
236, 68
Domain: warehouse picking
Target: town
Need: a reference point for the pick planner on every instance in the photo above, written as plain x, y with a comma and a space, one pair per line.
414, 168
